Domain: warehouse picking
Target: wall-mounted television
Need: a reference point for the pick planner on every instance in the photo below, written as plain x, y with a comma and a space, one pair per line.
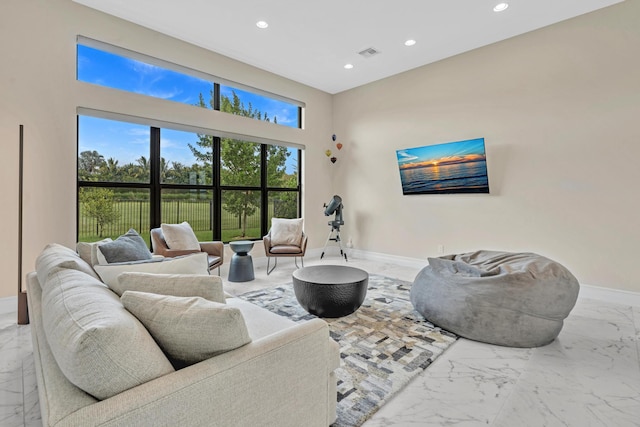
452, 167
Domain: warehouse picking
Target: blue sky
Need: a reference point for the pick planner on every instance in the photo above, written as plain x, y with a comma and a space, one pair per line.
438, 152
126, 142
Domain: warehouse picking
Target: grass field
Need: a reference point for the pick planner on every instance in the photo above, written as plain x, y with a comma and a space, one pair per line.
135, 214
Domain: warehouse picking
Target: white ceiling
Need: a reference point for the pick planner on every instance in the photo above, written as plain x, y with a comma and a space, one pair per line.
311, 41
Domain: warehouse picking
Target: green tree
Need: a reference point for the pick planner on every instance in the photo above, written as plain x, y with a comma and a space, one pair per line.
89, 164
99, 203
240, 161
110, 171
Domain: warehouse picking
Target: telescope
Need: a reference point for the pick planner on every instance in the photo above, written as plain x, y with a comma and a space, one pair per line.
334, 207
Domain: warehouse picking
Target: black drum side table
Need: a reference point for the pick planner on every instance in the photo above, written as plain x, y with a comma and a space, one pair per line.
330, 290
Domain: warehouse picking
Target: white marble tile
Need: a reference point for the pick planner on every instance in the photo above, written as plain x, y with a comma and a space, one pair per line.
547, 397
466, 386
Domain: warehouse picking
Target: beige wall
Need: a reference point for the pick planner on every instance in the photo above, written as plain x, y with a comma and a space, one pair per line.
38, 89
559, 109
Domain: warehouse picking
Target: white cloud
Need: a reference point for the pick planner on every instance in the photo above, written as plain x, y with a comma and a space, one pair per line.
403, 156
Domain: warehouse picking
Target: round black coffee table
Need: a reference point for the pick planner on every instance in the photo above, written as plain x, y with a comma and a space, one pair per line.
330, 290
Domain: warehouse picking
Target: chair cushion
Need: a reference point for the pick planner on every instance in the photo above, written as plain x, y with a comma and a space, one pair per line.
99, 346
286, 231
213, 260
189, 264
188, 329
179, 285
285, 249
128, 247
180, 236
55, 256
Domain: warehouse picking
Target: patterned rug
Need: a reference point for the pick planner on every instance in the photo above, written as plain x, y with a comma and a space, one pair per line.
383, 345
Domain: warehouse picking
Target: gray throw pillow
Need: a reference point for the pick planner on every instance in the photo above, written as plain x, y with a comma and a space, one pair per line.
188, 329
128, 247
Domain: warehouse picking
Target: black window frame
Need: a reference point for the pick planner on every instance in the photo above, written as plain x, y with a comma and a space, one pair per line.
155, 186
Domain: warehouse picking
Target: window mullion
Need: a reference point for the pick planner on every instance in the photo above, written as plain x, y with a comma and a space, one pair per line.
155, 197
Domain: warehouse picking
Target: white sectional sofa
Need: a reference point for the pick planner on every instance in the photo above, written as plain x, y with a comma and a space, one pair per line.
283, 377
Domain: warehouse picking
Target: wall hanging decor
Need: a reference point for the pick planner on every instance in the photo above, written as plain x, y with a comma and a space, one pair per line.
454, 167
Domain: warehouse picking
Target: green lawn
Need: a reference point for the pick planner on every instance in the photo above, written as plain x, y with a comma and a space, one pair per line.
135, 214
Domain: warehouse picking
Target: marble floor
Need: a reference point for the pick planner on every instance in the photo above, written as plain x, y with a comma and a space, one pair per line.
589, 376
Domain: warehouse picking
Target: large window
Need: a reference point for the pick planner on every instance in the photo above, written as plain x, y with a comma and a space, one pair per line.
106, 65
137, 176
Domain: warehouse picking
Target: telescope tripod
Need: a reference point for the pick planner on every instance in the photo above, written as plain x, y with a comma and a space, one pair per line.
335, 232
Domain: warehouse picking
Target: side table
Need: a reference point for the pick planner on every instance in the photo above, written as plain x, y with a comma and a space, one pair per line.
241, 267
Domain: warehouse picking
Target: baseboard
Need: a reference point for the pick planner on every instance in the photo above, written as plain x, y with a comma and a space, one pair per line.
615, 296
386, 258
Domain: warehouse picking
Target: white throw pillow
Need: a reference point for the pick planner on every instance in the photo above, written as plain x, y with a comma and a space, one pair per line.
286, 231
188, 329
99, 346
55, 256
180, 237
177, 285
88, 251
189, 264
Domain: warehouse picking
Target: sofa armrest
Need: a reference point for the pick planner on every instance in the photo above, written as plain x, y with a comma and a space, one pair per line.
213, 248
267, 243
283, 379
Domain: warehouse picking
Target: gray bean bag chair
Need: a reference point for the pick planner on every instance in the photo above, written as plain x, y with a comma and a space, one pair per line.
510, 299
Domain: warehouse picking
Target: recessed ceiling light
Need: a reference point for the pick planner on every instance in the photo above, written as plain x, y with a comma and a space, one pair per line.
262, 24
500, 7
348, 66
409, 42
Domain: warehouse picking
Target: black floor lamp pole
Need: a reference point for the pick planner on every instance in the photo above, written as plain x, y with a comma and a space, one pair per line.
23, 311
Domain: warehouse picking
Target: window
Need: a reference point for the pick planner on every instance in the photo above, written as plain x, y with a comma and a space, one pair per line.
118, 68
112, 151
137, 176
248, 104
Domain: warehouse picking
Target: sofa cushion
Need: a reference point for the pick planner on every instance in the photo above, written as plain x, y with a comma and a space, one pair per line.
180, 237
286, 231
260, 322
178, 285
128, 247
189, 264
189, 329
88, 251
99, 346
55, 256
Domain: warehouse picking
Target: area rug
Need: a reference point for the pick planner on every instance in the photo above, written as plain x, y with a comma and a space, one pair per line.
383, 345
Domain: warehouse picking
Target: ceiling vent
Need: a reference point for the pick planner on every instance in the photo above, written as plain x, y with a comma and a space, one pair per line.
369, 52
